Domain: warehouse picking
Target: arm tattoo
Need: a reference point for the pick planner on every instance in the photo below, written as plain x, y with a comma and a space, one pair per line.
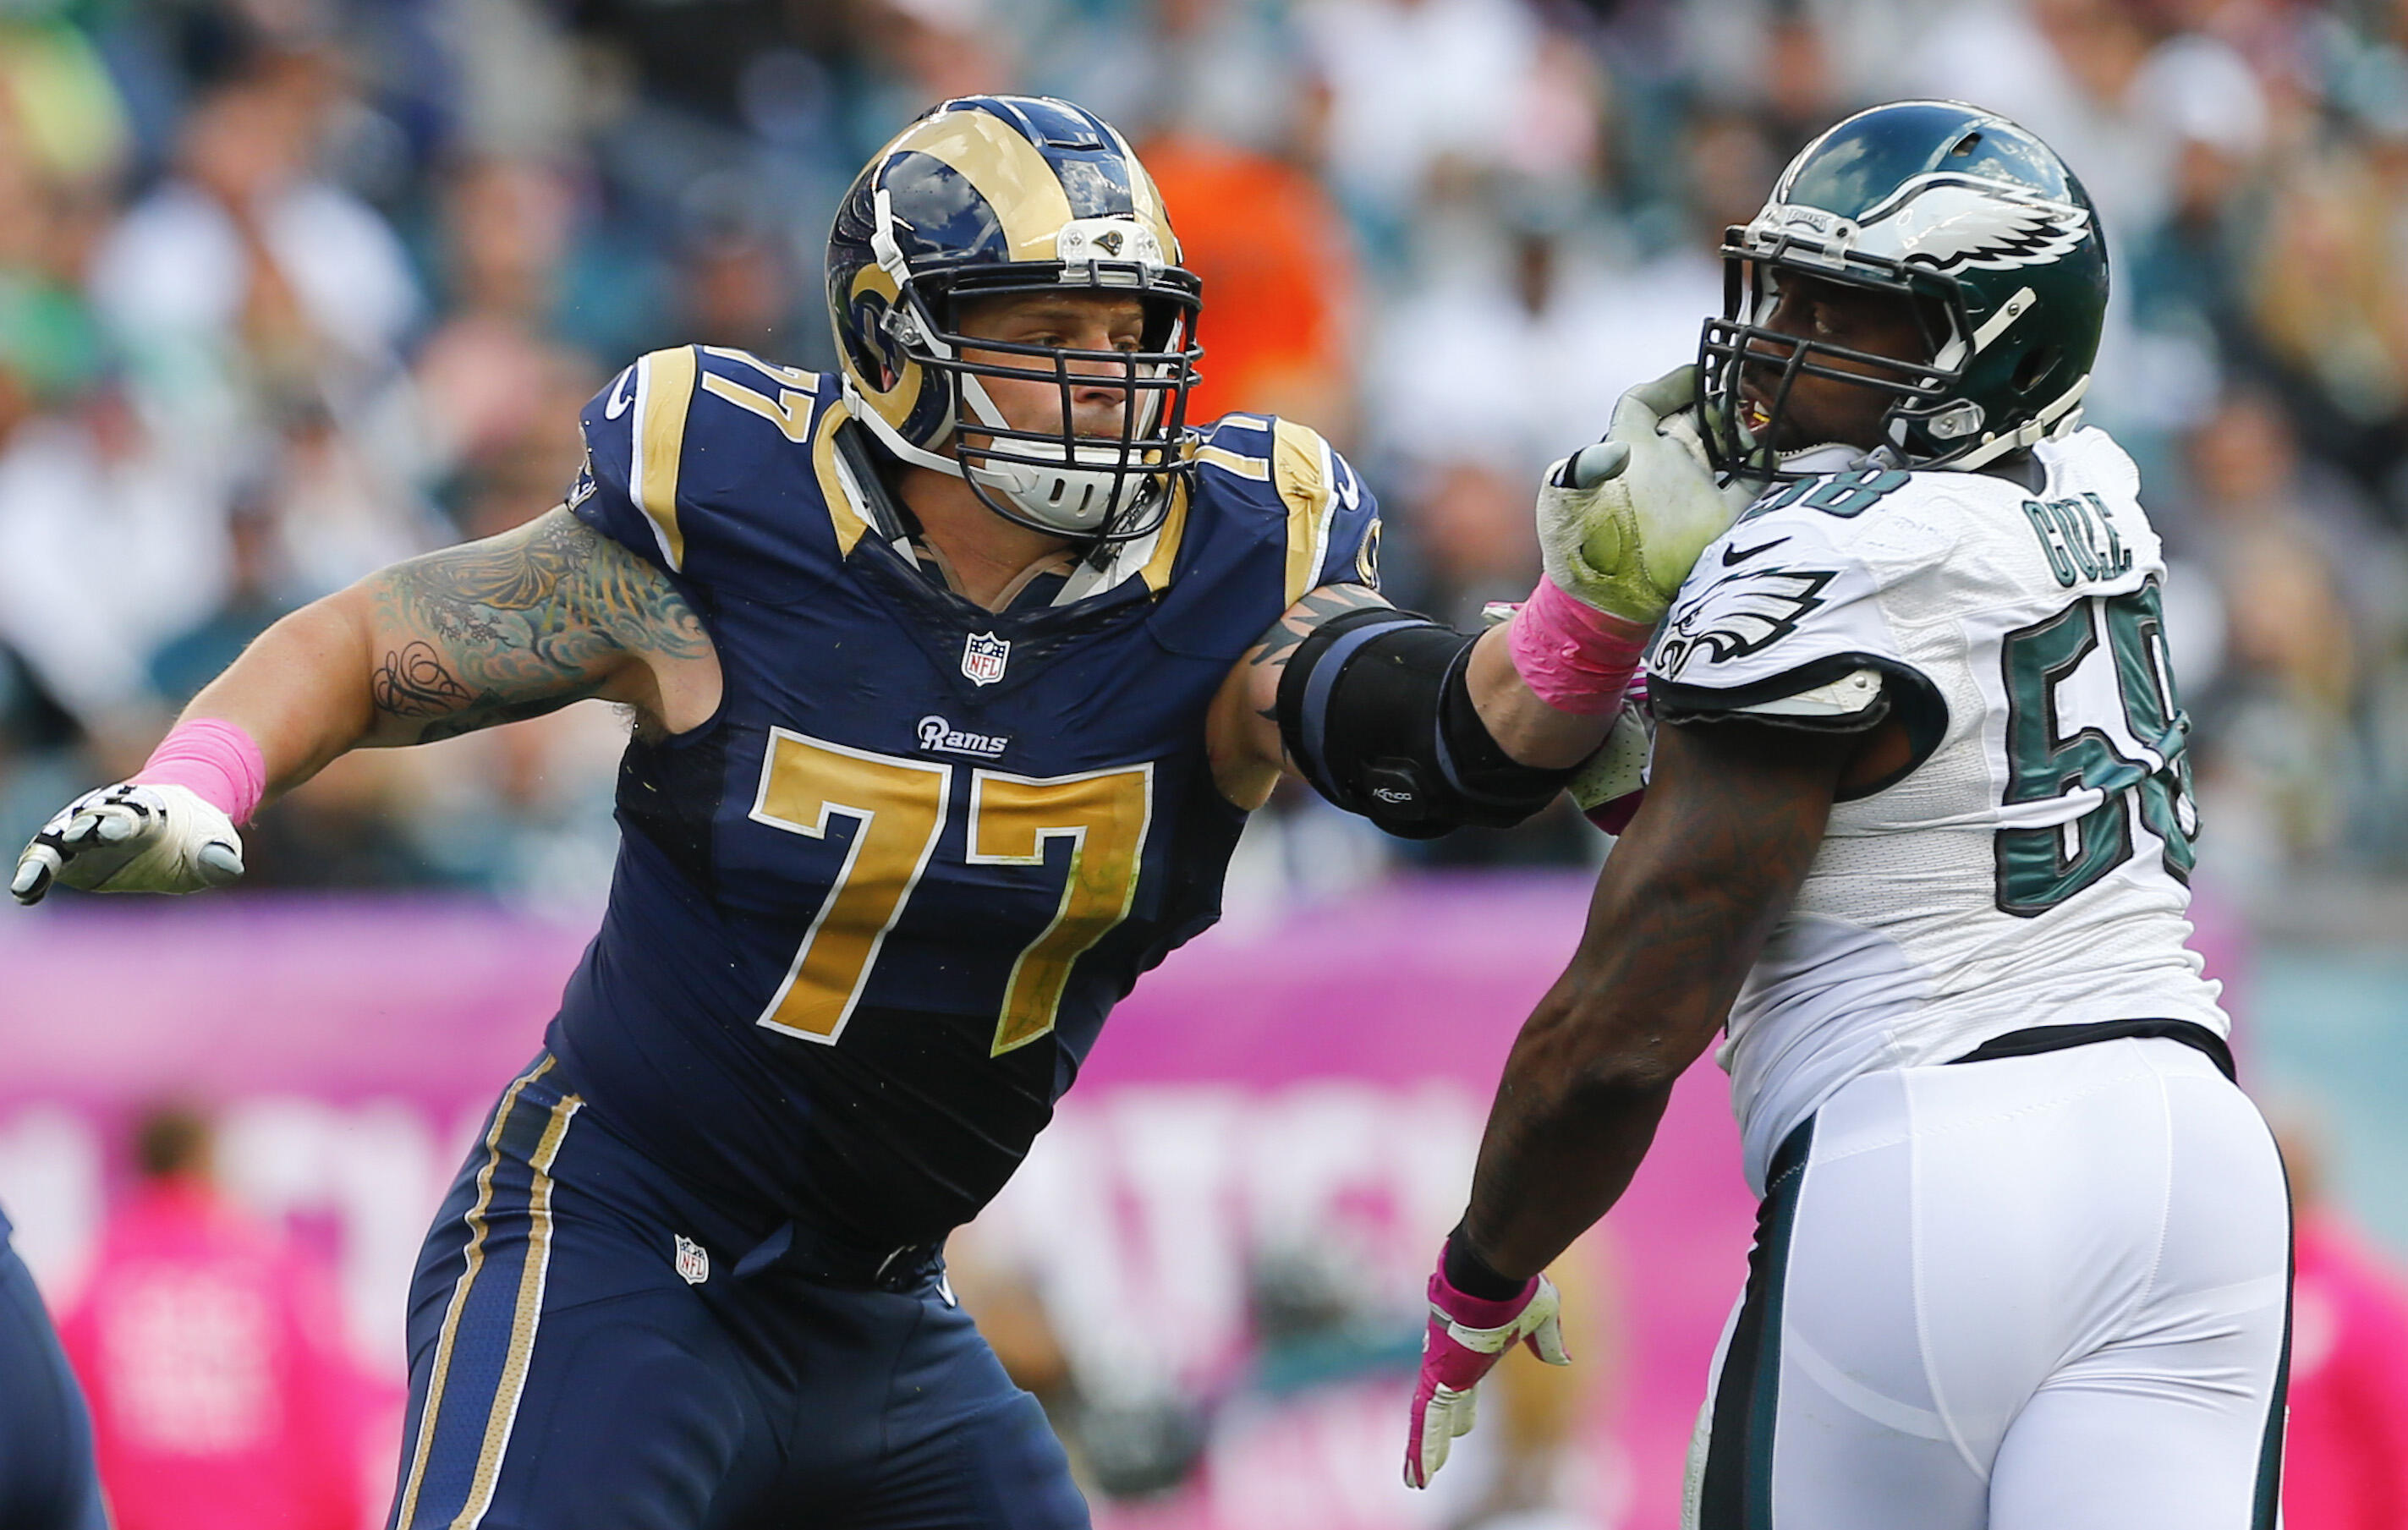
515, 626
412, 682
1318, 605
1297, 625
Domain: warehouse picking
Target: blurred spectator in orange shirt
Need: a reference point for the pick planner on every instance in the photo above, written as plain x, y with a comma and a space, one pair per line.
212, 1352
2346, 1460
1280, 274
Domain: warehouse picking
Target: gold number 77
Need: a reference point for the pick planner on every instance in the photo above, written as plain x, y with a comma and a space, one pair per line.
898, 807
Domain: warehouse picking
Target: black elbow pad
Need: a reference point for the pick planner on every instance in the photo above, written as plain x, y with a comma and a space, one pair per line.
1375, 712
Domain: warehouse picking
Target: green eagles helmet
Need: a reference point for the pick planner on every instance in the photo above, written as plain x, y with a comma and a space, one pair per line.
1974, 220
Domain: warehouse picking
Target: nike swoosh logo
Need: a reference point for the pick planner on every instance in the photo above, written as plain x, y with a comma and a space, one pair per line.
1740, 555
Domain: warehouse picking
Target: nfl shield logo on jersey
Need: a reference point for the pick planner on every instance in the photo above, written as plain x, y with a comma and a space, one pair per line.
983, 656
693, 1262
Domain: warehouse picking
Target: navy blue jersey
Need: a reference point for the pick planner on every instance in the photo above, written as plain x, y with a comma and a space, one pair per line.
47, 1481
868, 919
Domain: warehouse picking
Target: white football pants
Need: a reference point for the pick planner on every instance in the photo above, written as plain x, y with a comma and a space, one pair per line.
2044, 1293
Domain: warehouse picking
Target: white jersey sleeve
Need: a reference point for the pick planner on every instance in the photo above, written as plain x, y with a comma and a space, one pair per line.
2027, 866
1785, 619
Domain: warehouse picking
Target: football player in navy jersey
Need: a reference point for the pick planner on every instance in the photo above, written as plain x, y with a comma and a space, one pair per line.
47, 1479
954, 675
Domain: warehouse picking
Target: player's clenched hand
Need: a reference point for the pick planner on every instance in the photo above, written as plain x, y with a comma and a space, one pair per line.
1466, 1337
131, 838
1621, 521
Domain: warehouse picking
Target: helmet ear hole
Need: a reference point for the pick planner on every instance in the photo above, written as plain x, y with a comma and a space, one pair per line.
859, 340
2038, 363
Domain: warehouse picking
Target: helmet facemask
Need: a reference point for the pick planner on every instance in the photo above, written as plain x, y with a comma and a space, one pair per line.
1738, 347
1995, 252
1094, 488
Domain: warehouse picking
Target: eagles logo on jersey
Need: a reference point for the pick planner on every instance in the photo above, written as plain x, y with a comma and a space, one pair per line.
1740, 615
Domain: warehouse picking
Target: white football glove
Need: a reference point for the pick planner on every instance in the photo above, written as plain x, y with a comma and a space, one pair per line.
1621, 521
131, 838
1607, 785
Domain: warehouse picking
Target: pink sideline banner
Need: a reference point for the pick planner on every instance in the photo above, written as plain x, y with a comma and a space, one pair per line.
1312, 1083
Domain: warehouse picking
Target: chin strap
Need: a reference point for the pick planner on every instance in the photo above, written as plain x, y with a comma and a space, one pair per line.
2060, 418
919, 456
891, 438
1827, 457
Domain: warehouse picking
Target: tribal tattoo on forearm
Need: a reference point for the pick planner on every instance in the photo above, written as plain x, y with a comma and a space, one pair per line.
515, 626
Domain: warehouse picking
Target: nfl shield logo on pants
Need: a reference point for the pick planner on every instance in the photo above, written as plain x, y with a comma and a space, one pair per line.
983, 656
693, 1262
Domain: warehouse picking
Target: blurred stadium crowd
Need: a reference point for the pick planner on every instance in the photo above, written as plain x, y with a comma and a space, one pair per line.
292, 288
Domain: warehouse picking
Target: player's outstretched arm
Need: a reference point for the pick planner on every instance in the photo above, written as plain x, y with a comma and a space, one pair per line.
488, 632
1686, 900
1421, 729
1397, 688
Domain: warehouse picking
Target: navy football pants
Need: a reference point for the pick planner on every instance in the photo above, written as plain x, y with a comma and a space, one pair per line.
565, 1372
47, 1481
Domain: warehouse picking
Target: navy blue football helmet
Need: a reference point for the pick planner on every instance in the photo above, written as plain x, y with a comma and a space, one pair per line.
1976, 223
1006, 193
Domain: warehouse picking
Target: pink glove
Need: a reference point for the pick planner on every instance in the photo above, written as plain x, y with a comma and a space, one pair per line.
1466, 1337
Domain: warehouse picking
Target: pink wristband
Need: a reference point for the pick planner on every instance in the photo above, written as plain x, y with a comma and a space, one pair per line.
1475, 1312
218, 762
1574, 657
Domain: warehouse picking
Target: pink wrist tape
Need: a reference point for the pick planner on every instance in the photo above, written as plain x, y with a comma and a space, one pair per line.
1574, 657
217, 761
1477, 1311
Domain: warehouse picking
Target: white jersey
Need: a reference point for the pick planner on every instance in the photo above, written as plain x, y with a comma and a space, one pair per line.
2030, 865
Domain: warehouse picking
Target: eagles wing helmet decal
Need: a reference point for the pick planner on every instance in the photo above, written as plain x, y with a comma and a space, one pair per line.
1748, 611
1950, 222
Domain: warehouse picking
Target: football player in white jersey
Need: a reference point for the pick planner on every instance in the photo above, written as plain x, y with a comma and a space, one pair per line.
1920, 827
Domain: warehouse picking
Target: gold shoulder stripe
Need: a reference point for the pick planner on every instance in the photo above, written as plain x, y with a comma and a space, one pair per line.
663, 390
1156, 572
1300, 468
1007, 170
847, 521
1239, 462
